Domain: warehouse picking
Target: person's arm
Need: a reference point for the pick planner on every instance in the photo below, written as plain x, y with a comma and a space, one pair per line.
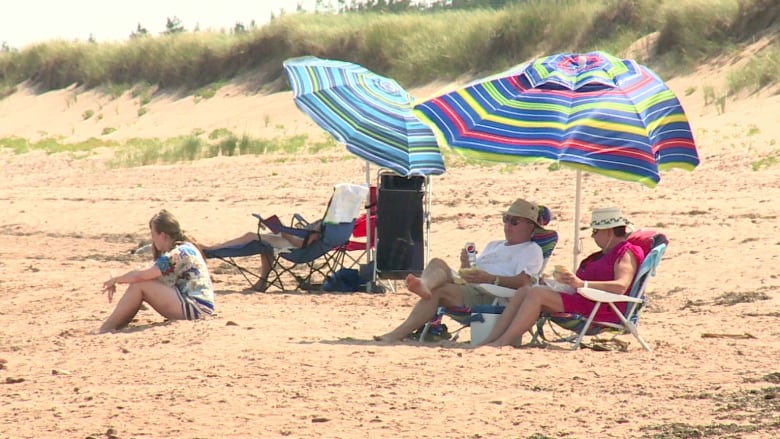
313, 233
483, 277
132, 276
625, 269
517, 281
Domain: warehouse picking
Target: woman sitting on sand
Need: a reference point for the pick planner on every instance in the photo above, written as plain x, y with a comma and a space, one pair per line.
612, 269
177, 285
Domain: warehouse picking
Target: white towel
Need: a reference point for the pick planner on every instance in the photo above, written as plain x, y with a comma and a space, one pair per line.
346, 203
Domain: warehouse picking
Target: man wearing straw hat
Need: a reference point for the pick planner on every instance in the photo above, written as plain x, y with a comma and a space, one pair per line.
512, 262
611, 269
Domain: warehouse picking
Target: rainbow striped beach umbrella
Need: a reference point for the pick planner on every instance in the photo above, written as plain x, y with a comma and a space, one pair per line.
370, 114
593, 112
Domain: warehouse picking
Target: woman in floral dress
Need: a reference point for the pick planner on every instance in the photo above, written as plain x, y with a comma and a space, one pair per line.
177, 285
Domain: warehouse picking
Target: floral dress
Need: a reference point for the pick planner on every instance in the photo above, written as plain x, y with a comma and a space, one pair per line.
184, 269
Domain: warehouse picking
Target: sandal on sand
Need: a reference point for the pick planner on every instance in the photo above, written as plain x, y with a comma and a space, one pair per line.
435, 333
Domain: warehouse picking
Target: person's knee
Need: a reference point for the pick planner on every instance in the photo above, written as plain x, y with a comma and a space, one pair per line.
437, 262
449, 295
544, 297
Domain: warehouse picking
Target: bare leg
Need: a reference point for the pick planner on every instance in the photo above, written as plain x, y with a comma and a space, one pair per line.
276, 241
241, 240
436, 274
162, 298
536, 301
507, 316
266, 260
446, 295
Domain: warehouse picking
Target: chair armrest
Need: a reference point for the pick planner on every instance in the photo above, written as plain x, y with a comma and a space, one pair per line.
299, 220
605, 297
498, 291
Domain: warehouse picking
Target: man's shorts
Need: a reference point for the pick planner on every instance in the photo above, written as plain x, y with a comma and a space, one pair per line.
474, 295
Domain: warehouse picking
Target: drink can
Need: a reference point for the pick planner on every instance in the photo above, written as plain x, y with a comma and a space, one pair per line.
471, 251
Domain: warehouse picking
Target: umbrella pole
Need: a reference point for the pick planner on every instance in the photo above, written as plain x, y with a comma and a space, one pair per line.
369, 255
577, 244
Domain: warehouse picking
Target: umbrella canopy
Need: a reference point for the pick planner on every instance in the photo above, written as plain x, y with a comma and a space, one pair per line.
593, 112
370, 114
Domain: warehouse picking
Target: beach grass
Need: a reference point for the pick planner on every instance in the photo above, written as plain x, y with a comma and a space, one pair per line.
415, 48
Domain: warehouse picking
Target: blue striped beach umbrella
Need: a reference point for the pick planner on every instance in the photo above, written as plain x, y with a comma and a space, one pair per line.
370, 114
593, 112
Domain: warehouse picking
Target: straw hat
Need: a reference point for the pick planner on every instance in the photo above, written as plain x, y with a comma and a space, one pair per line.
607, 218
524, 209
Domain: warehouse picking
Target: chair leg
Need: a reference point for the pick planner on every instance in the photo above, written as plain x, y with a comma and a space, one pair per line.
537, 335
630, 327
587, 326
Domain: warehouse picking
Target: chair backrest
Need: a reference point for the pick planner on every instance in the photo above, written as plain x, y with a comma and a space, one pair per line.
654, 244
546, 239
345, 204
359, 231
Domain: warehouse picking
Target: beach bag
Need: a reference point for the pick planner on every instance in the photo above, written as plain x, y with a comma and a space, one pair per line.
345, 280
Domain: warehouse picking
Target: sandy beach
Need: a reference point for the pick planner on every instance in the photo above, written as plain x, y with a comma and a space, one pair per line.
304, 365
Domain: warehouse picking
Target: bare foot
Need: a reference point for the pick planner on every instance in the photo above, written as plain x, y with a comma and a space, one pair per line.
260, 286
385, 339
416, 285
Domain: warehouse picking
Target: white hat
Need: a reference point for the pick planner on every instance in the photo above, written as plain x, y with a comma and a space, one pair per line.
607, 218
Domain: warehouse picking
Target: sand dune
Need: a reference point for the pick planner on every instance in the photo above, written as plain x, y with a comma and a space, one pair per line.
293, 364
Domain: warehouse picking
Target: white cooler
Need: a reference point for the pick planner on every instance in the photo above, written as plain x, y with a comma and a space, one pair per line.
483, 318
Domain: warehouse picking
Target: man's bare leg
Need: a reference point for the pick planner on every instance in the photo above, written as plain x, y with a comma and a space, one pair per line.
446, 295
436, 274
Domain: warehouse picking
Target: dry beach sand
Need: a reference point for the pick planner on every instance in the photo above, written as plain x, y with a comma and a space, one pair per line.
303, 365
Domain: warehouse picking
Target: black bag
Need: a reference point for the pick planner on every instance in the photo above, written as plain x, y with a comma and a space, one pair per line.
345, 280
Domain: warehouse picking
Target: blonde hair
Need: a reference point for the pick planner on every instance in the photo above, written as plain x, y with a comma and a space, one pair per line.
164, 222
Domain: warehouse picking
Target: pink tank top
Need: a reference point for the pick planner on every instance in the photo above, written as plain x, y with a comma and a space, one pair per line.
600, 266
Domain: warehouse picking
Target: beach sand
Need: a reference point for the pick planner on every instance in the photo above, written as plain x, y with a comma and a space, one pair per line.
304, 365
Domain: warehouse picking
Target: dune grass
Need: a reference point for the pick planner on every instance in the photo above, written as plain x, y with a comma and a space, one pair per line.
141, 152
414, 47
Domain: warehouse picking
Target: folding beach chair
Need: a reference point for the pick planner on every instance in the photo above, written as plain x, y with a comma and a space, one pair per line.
312, 263
546, 239
654, 244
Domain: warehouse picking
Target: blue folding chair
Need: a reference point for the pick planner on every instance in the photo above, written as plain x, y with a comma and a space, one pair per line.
312, 263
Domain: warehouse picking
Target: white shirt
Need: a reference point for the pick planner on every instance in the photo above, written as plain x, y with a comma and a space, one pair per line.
510, 260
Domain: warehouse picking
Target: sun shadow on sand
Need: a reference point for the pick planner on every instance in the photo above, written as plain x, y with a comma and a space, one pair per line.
443, 344
249, 291
371, 342
142, 327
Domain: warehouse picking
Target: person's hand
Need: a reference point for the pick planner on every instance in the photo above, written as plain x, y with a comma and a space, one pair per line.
476, 276
464, 258
109, 287
568, 278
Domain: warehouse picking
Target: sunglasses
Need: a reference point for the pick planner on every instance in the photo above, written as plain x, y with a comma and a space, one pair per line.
513, 220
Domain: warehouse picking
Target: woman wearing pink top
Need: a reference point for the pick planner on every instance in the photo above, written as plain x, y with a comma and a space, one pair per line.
612, 269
